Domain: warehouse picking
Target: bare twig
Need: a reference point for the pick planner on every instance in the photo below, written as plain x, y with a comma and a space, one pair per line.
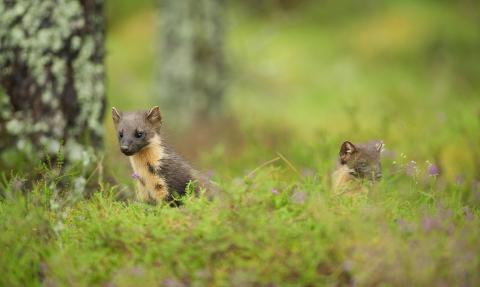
288, 162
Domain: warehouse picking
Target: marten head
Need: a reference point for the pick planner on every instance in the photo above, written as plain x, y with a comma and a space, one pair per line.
362, 159
135, 130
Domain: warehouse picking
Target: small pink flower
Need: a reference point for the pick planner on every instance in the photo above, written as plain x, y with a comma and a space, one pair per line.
430, 223
433, 170
274, 191
135, 175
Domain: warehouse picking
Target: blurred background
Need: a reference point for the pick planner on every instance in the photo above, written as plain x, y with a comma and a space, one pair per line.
302, 76
240, 81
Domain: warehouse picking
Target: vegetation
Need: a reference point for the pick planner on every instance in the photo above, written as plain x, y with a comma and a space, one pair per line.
272, 227
303, 80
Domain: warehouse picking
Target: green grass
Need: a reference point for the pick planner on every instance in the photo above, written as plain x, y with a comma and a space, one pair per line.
275, 227
301, 82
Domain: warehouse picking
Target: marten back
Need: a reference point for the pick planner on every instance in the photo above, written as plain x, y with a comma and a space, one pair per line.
176, 172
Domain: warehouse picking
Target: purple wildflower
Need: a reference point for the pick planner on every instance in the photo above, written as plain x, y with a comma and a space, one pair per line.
433, 170
274, 191
430, 223
135, 175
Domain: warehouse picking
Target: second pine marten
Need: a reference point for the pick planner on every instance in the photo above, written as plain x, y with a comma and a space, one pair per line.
357, 162
160, 172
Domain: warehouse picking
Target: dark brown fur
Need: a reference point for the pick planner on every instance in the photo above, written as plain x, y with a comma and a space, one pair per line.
162, 173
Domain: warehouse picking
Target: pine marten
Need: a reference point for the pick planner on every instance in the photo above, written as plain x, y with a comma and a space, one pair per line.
161, 174
357, 162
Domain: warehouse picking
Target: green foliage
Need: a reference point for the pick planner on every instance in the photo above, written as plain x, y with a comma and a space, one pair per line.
119, 10
274, 227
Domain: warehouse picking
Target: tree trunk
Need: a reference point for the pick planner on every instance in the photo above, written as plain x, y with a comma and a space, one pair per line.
52, 76
192, 72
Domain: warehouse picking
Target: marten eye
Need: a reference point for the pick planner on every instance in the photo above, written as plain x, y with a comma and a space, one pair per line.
139, 134
120, 134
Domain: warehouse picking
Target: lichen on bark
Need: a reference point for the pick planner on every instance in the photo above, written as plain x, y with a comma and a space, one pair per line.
52, 77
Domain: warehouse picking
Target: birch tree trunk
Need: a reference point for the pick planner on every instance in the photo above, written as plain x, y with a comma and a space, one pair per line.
52, 77
192, 70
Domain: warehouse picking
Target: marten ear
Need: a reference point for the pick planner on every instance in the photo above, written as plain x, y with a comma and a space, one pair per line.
379, 146
154, 115
116, 115
346, 151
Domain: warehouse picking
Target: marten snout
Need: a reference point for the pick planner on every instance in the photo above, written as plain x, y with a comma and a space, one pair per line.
126, 150
136, 129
